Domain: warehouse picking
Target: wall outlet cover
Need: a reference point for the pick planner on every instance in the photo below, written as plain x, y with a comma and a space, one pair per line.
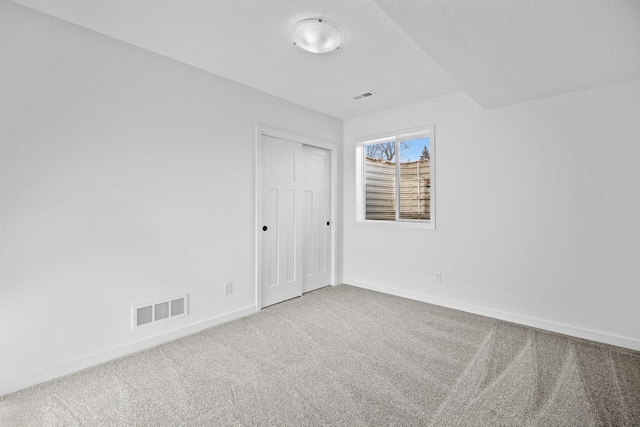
228, 288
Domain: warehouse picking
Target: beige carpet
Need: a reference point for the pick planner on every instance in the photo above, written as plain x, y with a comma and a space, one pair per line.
345, 356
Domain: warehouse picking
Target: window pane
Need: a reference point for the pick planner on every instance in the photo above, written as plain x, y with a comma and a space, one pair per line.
415, 179
380, 181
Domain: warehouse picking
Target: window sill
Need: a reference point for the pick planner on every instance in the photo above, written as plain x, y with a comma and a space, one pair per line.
416, 225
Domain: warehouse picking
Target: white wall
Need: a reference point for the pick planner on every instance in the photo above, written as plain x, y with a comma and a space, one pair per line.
538, 212
125, 177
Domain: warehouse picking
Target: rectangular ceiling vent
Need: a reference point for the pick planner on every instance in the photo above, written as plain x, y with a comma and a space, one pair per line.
363, 95
159, 311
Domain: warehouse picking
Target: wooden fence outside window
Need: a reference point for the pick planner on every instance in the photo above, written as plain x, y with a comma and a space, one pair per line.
380, 190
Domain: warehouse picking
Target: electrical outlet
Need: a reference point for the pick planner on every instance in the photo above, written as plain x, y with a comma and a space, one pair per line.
227, 289
438, 277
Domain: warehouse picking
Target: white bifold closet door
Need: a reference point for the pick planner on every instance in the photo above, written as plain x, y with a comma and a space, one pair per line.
296, 208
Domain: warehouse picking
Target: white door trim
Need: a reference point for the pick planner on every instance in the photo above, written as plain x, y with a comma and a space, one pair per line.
333, 148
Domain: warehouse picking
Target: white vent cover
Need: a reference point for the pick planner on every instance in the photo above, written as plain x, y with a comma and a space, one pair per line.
363, 95
158, 311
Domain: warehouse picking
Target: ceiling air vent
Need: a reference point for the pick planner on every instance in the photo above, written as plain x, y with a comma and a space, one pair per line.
363, 95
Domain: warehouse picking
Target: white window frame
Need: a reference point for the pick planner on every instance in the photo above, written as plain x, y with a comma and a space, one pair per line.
396, 137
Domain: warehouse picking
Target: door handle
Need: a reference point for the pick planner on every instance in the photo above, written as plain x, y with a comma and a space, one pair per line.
264, 228
328, 223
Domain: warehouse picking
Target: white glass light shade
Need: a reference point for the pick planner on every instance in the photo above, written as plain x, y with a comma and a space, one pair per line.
316, 35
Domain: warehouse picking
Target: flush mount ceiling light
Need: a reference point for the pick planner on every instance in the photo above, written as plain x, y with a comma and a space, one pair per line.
316, 36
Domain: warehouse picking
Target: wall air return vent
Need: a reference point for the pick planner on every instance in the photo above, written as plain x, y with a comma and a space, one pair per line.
363, 95
159, 311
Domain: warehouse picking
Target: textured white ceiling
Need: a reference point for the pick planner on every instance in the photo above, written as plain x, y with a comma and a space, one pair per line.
507, 51
499, 51
248, 41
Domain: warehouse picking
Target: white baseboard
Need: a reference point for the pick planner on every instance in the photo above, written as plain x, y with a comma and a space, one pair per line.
15, 384
546, 325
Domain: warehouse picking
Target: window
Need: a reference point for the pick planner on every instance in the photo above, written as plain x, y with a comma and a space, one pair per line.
395, 179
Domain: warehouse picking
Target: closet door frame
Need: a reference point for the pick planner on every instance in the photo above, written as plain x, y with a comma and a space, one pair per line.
262, 130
